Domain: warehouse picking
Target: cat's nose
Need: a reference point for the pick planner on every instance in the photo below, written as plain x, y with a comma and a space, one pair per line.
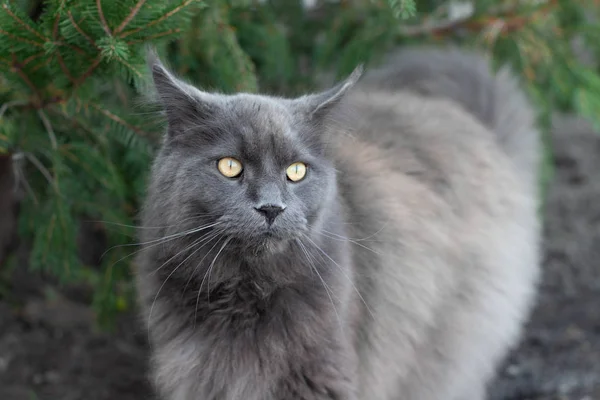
270, 211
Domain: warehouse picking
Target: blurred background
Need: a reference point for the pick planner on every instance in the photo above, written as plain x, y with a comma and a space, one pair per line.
76, 142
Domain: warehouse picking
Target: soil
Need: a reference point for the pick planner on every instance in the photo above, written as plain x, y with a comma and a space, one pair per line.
49, 350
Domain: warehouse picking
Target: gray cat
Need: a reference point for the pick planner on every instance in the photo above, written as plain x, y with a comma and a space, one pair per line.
376, 241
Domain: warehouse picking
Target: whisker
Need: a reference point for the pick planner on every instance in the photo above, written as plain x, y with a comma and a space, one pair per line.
140, 250
214, 235
202, 283
148, 227
163, 239
167, 278
342, 271
327, 288
211, 267
201, 239
342, 239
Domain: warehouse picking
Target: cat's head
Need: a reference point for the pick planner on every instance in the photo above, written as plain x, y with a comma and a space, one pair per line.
255, 168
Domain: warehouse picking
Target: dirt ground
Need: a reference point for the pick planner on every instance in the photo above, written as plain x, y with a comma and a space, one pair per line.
48, 350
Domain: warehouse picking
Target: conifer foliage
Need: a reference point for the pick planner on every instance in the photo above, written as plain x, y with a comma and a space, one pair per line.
81, 143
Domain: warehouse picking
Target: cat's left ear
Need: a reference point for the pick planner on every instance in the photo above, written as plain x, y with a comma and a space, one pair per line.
319, 105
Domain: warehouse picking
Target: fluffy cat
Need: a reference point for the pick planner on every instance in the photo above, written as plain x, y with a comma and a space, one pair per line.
375, 241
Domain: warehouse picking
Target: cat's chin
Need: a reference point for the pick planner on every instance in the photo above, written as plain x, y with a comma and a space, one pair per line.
262, 247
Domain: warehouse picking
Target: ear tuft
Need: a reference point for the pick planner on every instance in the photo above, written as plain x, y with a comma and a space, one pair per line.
323, 102
184, 104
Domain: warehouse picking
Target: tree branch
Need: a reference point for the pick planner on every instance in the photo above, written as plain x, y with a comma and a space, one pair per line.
61, 61
32, 57
165, 33
505, 18
167, 15
102, 19
17, 68
131, 15
119, 120
49, 128
8, 104
76, 26
20, 39
23, 24
89, 71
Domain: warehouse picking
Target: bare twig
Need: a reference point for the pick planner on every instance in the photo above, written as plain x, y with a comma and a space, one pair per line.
131, 15
49, 128
34, 160
167, 15
102, 19
20, 176
6, 105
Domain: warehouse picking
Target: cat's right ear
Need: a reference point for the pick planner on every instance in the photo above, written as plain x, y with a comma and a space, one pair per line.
185, 106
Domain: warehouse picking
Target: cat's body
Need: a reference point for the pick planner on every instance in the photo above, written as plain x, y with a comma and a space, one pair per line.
401, 267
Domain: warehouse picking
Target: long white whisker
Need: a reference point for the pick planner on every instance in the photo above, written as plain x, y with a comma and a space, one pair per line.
211, 267
202, 283
150, 227
144, 248
328, 289
201, 239
166, 279
342, 271
164, 239
365, 238
213, 236
342, 239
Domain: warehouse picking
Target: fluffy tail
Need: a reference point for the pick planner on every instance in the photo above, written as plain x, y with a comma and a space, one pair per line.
466, 77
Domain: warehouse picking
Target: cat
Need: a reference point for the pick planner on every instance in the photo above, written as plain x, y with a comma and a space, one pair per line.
377, 240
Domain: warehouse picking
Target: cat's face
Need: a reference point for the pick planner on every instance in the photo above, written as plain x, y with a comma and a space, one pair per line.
254, 171
254, 168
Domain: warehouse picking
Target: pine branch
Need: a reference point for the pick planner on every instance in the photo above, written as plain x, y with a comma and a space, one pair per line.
119, 120
49, 128
59, 57
155, 36
23, 23
38, 164
89, 71
20, 39
131, 16
78, 28
505, 19
102, 19
9, 104
32, 57
17, 68
164, 17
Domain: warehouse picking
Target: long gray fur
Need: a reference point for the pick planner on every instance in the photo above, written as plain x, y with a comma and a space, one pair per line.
402, 267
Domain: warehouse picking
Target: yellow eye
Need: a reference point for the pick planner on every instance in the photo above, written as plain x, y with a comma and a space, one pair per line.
229, 167
296, 171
